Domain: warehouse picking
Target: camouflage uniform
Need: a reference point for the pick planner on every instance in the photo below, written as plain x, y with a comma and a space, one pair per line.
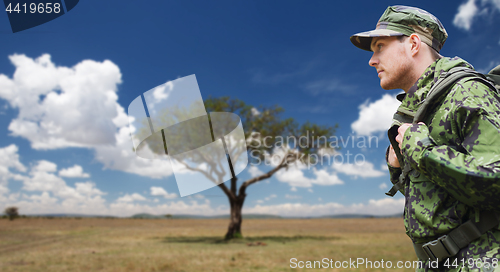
457, 156
454, 156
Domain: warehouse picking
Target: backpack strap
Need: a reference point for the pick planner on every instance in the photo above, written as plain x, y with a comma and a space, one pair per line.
494, 76
495, 79
392, 133
449, 245
442, 86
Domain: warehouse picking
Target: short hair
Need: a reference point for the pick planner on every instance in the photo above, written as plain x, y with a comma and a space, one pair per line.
434, 54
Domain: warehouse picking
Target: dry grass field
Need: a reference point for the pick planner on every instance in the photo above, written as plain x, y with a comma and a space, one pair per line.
92, 244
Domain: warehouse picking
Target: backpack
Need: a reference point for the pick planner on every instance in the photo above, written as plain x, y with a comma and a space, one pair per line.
442, 86
450, 244
492, 79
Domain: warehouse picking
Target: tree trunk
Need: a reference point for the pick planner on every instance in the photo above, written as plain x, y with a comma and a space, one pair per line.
234, 229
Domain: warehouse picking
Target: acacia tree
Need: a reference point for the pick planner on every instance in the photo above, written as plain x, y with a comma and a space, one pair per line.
264, 133
12, 212
265, 130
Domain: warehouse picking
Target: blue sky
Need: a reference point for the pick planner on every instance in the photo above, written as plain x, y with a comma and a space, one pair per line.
65, 87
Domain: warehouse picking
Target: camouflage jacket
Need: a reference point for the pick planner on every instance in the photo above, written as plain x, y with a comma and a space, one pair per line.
456, 155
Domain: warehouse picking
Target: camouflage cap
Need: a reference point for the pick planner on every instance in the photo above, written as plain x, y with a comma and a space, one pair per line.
403, 20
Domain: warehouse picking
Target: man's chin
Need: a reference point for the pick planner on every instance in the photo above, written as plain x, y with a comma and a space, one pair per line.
386, 86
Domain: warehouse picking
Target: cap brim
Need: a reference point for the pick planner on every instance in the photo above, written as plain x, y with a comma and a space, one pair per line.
363, 40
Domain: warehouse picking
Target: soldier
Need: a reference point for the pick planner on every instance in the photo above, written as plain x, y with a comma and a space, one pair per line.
448, 165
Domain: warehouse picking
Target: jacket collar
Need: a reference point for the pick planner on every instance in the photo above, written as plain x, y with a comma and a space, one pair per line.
418, 92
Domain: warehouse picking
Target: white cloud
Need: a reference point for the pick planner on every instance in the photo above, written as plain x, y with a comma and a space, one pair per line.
385, 206
42, 199
328, 151
260, 201
287, 196
131, 198
43, 179
56, 195
270, 197
85, 198
47, 203
9, 160
159, 92
325, 86
255, 111
87, 188
173, 207
376, 116
10, 199
45, 166
364, 169
295, 177
159, 191
495, 2
76, 171
60, 106
198, 196
254, 171
466, 12
382, 186
3, 189
75, 106
470, 10
122, 157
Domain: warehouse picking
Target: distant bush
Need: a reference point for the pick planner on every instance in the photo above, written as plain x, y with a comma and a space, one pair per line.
12, 212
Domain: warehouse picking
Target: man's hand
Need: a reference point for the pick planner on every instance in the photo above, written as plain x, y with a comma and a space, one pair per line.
392, 159
401, 132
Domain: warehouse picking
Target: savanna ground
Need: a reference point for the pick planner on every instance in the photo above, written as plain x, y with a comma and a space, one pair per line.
93, 244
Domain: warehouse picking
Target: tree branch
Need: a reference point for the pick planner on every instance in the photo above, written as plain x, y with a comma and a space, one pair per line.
197, 170
283, 163
229, 194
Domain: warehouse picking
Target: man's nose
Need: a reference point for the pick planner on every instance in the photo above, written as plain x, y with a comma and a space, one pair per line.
373, 61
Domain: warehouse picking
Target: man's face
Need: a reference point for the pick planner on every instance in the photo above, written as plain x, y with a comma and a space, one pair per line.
392, 62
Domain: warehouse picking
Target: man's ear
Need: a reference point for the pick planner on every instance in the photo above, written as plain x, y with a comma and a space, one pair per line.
414, 44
